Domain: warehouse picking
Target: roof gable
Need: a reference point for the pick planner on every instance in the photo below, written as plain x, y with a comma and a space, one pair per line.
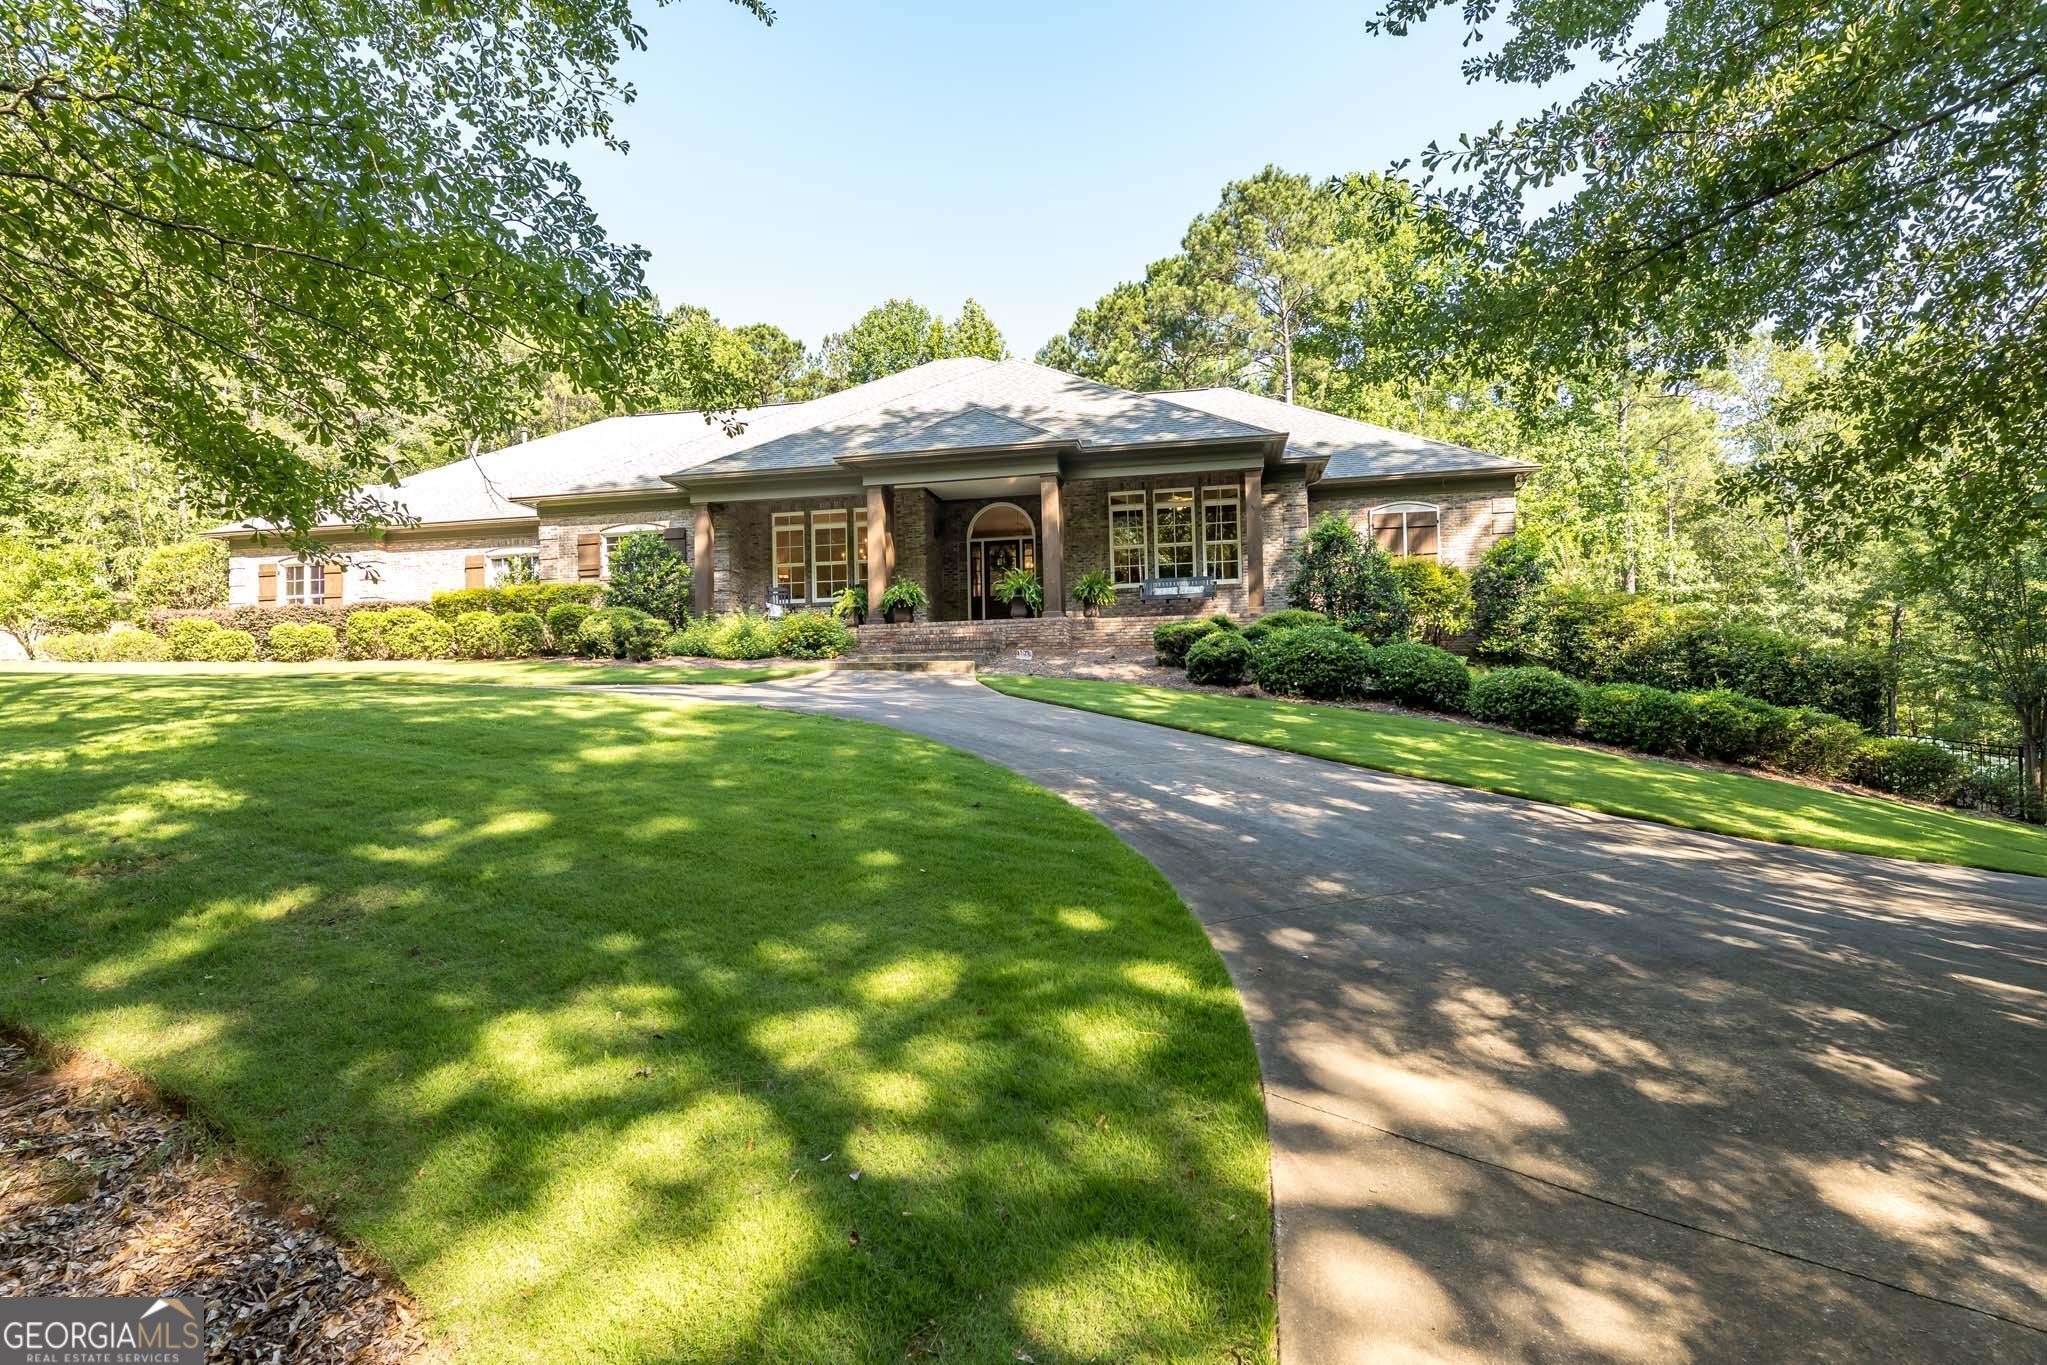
1352, 449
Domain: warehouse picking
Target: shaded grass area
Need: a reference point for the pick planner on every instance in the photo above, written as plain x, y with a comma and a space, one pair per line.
543, 671
582, 1011
1564, 774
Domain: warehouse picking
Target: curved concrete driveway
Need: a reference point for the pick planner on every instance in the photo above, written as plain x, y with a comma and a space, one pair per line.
1547, 1085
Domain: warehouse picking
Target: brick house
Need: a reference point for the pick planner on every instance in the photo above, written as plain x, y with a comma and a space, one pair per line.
1192, 501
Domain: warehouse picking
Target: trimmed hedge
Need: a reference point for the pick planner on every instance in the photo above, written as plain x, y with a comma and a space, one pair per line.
297, 643
524, 634
410, 633
812, 635
1541, 701
1731, 728
693, 641
565, 625
1171, 641
1221, 660
362, 636
258, 620
1415, 674
743, 635
479, 636
1321, 663
1635, 716
120, 647
1819, 744
1909, 767
537, 598
621, 633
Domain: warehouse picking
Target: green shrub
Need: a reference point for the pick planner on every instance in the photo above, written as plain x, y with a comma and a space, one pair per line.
1349, 580
621, 633
524, 635
693, 641
230, 647
743, 635
1731, 728
363, 635
1587, 634
409, 633
538, 598
1292, 618
565, 625
1222, 659
650, 577
1637, 716
1845, 680
1318, 662
1819, 744
1991, 791
297, 643
1909, 767
1171, 641
1438, 598
191, 573
1506, 598
1416, 674
73, 648
479, 636
1094, 590
133, 647
1851, 681
1538, 700
812, 635
192, 638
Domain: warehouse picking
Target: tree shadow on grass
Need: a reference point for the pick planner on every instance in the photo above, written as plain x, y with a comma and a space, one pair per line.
584, 1014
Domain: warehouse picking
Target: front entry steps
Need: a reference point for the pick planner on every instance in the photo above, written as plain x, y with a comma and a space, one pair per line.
900, 664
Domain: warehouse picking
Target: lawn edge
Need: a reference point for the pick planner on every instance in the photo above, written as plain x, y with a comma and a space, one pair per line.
996, 682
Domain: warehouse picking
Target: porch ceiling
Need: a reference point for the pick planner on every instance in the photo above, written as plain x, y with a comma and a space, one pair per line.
964, 490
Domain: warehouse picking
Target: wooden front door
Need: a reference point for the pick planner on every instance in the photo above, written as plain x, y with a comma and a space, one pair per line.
988, 560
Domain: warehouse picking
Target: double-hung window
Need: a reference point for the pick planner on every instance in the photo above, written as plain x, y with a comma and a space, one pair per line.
830, 556
305, 585
610, 542
511, 566
1406, 528
789, 566
1173, 532
1126, 536
1221, 540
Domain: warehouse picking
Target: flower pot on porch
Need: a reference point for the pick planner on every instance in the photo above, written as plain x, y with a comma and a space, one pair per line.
901, 616
1019, 608
1090, 611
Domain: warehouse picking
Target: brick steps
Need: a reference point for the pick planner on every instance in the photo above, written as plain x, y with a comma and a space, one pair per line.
856, 663
983, 640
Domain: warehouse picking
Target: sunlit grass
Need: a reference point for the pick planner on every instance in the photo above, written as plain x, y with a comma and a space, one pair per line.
548, 671
1564, 774
582, 1011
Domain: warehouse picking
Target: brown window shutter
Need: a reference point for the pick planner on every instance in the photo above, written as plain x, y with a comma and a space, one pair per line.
266, 582
681, 540
472, 568
589, 556
1421, 533
1386, 531
335, 576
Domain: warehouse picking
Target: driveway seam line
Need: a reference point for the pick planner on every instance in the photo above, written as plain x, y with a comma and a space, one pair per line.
1734, 1238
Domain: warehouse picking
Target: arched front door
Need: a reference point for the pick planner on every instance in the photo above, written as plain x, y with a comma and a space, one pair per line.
1000, 537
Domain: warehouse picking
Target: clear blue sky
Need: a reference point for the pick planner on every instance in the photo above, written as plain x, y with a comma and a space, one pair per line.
1029, 155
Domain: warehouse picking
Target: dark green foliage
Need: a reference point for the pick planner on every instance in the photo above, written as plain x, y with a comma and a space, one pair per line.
479, 636
1506, 599
1415, 674
1438, 598
1636, 716
1219, 660
650, 577
621, 633
1849, 680
1171, 641
1350, 581
409, 633
1539, 700
1818, 744
258, 619
524, 633
1909, 767
812, 635
538, 598
565, 625
1587, 634
297, 643
363, 636
1321, 663
1730, 728
1765, 664
1290, 618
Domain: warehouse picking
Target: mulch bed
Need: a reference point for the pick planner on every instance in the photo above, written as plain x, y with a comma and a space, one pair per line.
107, 1190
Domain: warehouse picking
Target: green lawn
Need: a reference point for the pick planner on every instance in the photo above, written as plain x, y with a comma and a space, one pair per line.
1564, 774
583, 1011
546, 671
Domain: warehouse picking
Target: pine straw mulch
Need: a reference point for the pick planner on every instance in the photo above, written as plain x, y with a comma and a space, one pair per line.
107, 1190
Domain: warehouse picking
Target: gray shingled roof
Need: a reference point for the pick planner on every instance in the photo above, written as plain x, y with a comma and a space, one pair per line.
976, 427
1353, 449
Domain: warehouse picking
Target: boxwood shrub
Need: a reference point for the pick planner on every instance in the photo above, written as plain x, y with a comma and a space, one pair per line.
192, 638
230, 647
621, 633
298, 643
743, 635
478, 635
1732, 728
121, 647
1171, 641
538, 598
1819, 744
1538, 700
1909, 767
1321, 663
524, 635
565, 625
1220, 660
71, 649
812, 635
362, 637
693, 641
1635, 716
409, 633
1415, 674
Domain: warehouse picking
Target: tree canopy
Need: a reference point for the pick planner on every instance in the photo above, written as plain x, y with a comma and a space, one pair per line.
897, 335
265, 234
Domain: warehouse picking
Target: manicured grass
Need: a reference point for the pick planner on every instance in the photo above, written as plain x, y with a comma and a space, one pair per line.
583, 1011
539, 671
1564, 774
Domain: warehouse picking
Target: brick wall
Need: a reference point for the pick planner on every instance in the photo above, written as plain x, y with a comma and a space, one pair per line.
559, 530
745, 555
1476, 513
411, 569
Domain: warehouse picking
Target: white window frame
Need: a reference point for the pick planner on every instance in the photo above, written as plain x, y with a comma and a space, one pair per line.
1372, 525
1143, 509
494, 562
1193, 541
611, 533
859, 534
827, 517
1218, 495
312, 590
801, 521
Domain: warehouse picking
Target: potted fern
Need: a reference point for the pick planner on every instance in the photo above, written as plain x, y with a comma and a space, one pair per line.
900, 602
1020, 588
851, 605
1094, 590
